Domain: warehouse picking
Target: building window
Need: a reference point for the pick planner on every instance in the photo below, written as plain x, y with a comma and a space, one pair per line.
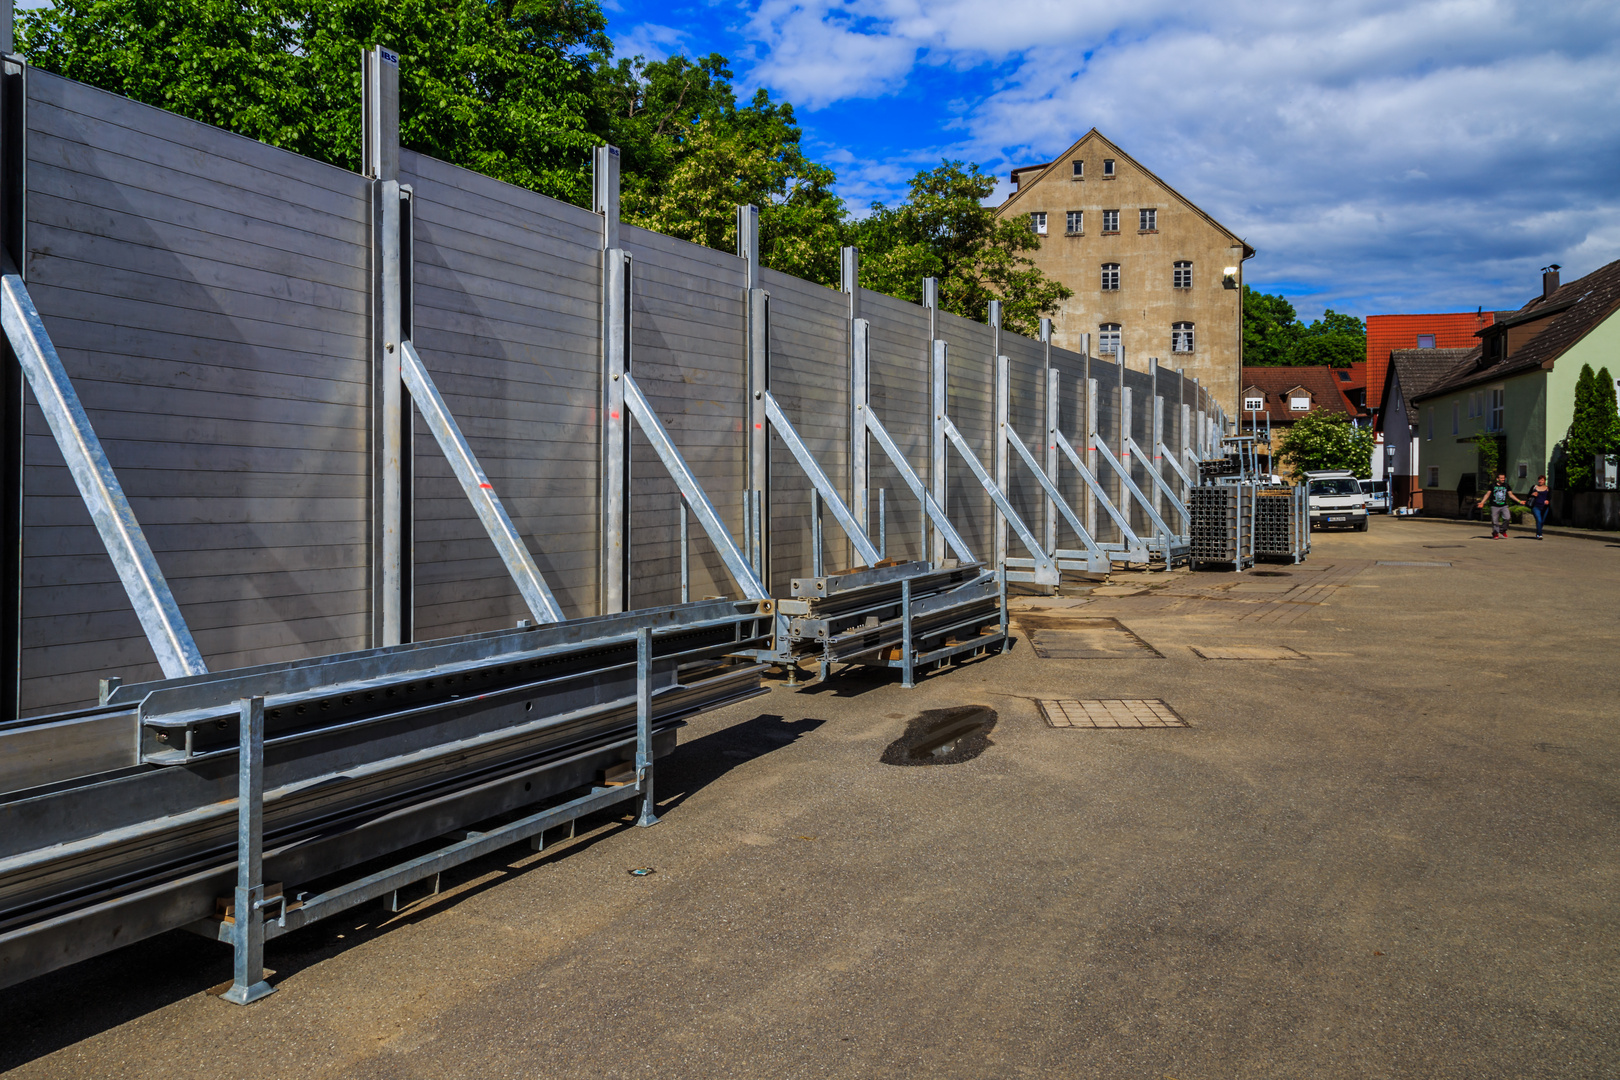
1079, 170
1425, 341
1254, 404
1434, 476
1110, 277
1076, 222
1431, 422
1456, 419
1181, 337
1344, 376
1037, 223
1299, 403
1108, 339
1181, 275
1524, 470
1108, 166
1110, 221
1147, 220
1495, 418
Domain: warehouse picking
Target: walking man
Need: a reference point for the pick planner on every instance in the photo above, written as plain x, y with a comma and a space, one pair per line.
1498, 497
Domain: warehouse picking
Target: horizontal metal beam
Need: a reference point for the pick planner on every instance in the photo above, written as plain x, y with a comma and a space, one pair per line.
730, 554
1044, 567
480, 492
132, 558
914, 482
846, 519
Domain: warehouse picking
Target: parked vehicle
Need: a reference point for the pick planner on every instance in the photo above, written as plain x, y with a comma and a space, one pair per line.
1336, 500
1377, 492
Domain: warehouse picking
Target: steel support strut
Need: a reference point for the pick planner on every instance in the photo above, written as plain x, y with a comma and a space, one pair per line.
132, 558
480, 492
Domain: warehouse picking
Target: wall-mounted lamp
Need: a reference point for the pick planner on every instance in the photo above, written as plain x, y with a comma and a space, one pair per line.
1229, 277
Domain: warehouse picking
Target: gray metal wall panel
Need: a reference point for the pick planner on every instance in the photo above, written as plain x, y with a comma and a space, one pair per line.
899, 394
209, 296
1026, 413
507, 310
810, 379
689, 355
971, 382
1071, 391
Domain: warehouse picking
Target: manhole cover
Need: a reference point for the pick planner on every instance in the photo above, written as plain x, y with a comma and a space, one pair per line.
943, 737
1381, 562
1111, 713
1090, 639
1247, 652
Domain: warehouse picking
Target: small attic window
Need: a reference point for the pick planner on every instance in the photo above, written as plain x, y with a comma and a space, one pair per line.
1108, 166
1344, 376
1425, 341
1298, 401
1254, 404
1079, 170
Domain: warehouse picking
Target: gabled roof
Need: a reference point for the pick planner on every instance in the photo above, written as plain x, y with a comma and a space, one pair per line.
1576, 310
1046, 170
1276, 383
1416, 370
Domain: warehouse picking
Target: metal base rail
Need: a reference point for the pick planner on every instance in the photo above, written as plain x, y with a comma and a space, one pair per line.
350, 757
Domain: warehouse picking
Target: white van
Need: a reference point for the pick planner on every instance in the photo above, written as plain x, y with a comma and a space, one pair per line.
1336, 500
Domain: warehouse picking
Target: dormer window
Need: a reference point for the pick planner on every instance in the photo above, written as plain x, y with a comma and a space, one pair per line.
1425, 341
1254, 403
1299, 400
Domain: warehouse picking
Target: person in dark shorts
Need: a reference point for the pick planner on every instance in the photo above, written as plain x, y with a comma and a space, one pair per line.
1540, 503
1498, 495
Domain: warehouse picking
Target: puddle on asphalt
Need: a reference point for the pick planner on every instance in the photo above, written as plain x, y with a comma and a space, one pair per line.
943, 737
1270, 573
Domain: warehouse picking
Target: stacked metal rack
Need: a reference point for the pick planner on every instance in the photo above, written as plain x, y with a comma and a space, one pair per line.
1223, 531
905, 615
1282, 523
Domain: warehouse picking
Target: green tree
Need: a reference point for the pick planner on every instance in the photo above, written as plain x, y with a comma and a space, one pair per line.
1334, 340
944, 230
500, 86
1322, 440
692, 155
1594, 429
1270, 328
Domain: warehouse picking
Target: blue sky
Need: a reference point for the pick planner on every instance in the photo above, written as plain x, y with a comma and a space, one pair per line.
1381, 157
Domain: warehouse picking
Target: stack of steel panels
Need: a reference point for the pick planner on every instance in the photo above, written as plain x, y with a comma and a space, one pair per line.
1282, 528
1223, 524
901, 615
121, 821
1211, 470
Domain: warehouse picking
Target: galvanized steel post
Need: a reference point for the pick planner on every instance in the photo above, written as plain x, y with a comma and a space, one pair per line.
13, 186
1050, 413
614, 528
644, 717
247, 932
391, 604
939, 365
860, 353
758, 379
1003, 380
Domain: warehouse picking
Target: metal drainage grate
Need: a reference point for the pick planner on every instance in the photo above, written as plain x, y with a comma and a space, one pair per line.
1118, 713
1247, 652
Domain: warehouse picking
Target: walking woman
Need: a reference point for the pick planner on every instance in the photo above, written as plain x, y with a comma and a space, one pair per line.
1540, 503
1498, 497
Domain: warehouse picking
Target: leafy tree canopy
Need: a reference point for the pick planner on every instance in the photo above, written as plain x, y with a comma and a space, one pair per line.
1320, 440
1274, 336
500, 86
944, 230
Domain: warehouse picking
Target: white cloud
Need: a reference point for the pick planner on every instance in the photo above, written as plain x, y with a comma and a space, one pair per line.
1372, 151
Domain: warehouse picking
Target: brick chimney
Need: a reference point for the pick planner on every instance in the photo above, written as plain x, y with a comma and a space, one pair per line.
1549, 280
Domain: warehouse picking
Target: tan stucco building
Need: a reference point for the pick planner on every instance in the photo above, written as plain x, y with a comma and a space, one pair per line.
1150, 271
